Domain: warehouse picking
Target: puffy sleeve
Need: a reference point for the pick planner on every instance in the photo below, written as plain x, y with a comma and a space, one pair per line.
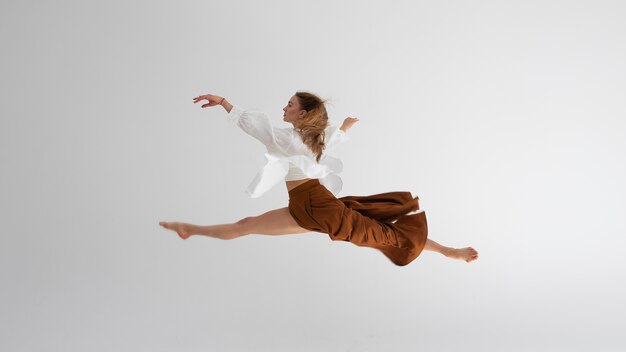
256, 124
334, 137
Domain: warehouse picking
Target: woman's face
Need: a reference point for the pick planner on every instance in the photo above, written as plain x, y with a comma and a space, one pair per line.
293, 110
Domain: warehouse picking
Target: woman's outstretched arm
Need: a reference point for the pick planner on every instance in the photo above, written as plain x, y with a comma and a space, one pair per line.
214, 100
254, 123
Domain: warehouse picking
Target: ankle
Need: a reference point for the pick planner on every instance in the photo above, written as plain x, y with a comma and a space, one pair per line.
447, 251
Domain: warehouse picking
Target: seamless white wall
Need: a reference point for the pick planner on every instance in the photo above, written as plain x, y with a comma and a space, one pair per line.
505, 117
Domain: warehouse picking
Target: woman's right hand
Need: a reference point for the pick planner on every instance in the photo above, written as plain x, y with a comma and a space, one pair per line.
212, 100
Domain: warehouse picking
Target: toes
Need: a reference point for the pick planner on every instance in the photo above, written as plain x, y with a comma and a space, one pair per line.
166, 225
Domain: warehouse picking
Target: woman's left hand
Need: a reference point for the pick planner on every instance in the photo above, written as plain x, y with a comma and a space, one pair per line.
348, 122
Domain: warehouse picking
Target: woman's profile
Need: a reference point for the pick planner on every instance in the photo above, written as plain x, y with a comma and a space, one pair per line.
390, 222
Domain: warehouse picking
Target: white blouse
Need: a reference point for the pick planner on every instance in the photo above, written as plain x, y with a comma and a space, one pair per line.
284, 146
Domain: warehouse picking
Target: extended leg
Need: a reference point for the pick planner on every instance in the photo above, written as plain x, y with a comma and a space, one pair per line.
468, 253
273, 222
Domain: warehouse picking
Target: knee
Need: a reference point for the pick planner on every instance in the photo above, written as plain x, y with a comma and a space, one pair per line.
239, 228
245, 220
246, 225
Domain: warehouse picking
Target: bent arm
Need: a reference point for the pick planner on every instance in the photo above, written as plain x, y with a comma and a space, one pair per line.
335, 136
347, 123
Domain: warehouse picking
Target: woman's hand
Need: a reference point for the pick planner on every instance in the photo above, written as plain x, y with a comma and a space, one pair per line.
348, 122
212, 100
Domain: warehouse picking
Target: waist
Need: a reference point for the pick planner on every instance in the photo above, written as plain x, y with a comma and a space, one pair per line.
295, 173
298, 186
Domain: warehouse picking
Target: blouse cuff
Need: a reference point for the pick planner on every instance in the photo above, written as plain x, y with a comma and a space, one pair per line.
343, 135
234, 114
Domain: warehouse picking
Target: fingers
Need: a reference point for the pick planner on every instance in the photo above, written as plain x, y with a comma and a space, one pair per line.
201, 97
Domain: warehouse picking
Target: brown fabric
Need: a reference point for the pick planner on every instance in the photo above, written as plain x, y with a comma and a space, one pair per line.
377, 221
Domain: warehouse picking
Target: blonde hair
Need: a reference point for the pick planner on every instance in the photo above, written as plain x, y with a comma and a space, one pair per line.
313, 125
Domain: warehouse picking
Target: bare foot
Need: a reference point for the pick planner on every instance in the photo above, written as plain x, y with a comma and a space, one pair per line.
180, 227
468, 254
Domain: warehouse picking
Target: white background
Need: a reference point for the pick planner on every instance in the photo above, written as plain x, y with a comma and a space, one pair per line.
505, 117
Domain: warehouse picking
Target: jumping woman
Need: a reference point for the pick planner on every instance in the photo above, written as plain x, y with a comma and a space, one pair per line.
389, 222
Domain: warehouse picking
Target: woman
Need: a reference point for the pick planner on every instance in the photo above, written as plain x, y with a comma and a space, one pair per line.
390, 222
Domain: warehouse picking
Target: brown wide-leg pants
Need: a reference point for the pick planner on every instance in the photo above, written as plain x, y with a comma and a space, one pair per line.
377, 221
